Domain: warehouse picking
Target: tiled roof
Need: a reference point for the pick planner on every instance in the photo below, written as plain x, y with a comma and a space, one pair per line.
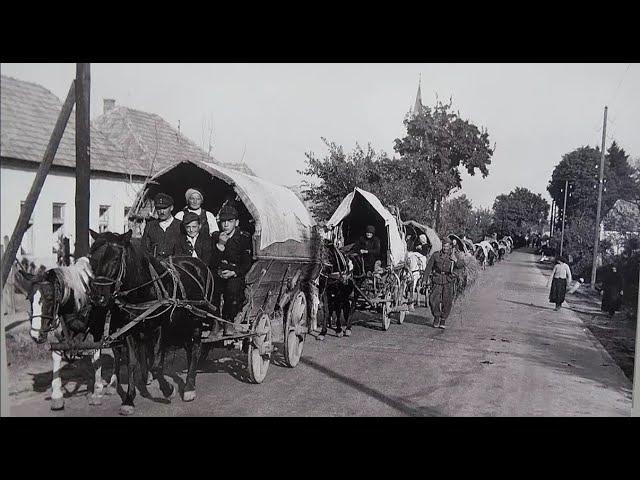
28, 113
146, 136
122, 140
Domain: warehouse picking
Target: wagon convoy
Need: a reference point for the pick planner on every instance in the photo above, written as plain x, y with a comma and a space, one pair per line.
367, 259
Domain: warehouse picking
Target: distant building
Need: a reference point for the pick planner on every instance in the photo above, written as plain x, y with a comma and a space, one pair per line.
124, 143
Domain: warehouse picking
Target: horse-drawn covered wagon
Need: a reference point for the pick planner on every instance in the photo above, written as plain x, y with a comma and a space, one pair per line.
382, 287
417, 258
285, 248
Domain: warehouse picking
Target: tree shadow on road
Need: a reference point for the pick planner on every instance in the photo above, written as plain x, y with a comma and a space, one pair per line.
407, 408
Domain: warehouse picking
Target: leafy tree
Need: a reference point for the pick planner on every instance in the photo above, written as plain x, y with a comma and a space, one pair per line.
482, 224
580, 168
519, 212
457, 216
438, 143
336, 174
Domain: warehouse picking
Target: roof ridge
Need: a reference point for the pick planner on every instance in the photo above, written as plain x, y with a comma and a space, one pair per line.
41, 87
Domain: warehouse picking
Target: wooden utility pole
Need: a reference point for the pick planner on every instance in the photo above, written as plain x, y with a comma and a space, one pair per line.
596, 244
38, 182
564, 213
635, 398
83, 159
552, 211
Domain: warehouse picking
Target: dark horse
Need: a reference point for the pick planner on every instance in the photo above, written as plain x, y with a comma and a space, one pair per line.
132, 283
336, 286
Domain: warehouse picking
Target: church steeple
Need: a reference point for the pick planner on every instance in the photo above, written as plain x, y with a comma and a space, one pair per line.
417, 108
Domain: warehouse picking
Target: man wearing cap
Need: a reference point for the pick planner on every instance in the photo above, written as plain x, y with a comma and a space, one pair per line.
194, 200
195, 243
230, 262
162, 237
442, 265
368, 246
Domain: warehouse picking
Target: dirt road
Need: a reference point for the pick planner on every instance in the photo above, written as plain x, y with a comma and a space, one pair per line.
506, 352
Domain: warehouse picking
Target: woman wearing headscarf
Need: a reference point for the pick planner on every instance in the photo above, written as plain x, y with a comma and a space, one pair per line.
559, 279
194, 200
612, 292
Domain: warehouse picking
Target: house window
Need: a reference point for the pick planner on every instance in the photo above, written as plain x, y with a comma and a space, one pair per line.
126, 219
26, 247
103, 218
57, 222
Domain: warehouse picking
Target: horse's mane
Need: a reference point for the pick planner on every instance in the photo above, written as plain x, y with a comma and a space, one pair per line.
76, 277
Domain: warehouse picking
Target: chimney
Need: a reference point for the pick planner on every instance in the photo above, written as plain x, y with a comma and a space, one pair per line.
109, 104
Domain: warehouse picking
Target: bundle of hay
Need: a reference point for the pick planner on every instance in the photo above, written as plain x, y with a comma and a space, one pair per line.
471, 268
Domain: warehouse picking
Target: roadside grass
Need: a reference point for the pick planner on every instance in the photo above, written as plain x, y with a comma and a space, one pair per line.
23, 351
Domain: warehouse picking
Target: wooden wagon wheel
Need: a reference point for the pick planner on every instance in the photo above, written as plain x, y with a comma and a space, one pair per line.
259, 350
295, 326
386, 319
404, 297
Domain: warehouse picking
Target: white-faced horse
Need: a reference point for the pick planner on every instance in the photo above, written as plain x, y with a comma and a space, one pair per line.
416, 262
60, 304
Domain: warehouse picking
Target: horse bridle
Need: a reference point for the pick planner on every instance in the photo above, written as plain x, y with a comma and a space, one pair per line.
104, 281
55, 318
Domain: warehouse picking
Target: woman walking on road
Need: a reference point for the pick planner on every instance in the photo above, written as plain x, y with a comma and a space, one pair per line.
612, 292
559, 279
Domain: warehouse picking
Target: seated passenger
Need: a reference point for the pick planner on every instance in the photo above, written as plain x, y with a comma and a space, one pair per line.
194, 200
230, 262
195, 243
162, 236
368, 246
422, 246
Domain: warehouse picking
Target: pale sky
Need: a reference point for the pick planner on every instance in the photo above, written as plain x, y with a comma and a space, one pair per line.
534, 112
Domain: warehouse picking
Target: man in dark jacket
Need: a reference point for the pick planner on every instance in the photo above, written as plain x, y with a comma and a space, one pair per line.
230, 262
162, 237
196, 243
442, 265
368, 246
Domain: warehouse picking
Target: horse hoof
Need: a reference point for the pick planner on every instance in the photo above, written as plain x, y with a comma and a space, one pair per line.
127, 410
57, 404
189, 396
171, 393
95, 400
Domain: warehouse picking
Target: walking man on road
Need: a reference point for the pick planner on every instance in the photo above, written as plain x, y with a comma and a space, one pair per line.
442, 264
559, 279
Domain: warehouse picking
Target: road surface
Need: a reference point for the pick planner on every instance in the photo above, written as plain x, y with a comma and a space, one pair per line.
506, 352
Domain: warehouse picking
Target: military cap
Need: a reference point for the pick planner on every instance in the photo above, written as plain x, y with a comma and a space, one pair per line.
370, 229
228, 212
162, 200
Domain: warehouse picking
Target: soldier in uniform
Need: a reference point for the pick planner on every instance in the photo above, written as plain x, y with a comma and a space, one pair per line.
230, 262
194, 200
162, 237
195, 243
442, 265
369, 247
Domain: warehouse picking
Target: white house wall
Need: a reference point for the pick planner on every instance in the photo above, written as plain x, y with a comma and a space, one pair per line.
59, 187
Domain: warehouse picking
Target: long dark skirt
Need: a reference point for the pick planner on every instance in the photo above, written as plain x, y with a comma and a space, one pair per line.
558, 290
611, 298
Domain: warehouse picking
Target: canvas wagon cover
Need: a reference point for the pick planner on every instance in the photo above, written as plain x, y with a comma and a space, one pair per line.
397, 246
279, 214
434, 239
